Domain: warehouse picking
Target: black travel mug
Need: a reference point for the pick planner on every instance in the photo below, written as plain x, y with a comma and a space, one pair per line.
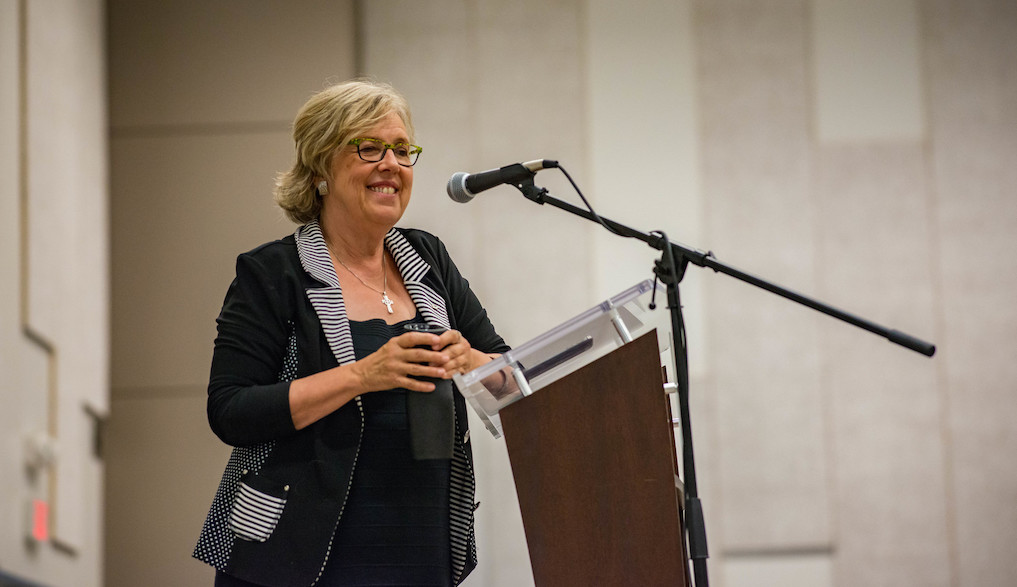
431, 415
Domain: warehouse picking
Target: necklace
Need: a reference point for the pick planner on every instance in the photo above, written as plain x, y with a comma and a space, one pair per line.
384, 272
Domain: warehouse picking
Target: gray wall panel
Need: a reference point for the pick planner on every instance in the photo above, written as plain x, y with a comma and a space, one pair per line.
884, 401
971, 54
223, 63
756, 174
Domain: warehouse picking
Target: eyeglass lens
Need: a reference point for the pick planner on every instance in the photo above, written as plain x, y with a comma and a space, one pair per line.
373, 151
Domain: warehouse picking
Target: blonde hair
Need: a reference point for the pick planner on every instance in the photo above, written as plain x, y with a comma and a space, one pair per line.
327, 122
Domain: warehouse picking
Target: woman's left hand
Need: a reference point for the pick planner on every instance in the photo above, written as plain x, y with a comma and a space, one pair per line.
461, 356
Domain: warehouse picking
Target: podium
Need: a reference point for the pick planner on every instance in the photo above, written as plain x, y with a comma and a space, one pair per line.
591, 444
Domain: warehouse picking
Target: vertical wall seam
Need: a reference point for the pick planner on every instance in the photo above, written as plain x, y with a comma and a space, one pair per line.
715, 527
359, 36
936, 286
828, 434
470, 85
582, 23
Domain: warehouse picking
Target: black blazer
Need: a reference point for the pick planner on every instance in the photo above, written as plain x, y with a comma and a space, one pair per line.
283, 491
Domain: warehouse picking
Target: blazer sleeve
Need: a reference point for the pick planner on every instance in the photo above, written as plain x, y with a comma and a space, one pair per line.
247, 401
470, 315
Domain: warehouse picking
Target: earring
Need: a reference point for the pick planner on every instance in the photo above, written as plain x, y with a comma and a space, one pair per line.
322, 188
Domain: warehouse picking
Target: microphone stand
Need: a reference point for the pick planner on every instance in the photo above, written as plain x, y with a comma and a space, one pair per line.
670, 269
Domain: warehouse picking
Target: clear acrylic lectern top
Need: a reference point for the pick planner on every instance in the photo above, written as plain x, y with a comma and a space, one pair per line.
564, 349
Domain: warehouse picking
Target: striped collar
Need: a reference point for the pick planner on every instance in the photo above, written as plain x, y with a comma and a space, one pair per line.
328, 301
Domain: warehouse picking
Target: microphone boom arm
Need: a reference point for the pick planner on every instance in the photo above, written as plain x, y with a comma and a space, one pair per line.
708, 260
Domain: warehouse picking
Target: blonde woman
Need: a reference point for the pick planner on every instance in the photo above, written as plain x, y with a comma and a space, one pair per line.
313, 370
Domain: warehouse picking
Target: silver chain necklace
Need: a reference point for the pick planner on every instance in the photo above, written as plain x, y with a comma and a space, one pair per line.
384, 272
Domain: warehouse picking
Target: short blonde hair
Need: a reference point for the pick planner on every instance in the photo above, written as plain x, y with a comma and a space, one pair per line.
327, 122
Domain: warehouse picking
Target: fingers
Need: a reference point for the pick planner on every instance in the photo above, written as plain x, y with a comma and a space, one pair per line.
403, 360
459, 353
415, 339
447, 338
419, 385
399, 362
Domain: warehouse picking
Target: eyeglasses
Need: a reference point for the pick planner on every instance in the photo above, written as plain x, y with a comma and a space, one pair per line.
373, 150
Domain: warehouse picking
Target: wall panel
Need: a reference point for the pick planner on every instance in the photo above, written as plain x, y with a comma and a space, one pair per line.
867, 66
183, 208
54, 326
160, 509
189, 64
759, 216
972, 48
884, 401
202, 99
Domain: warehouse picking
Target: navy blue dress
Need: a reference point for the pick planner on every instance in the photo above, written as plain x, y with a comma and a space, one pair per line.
394, 529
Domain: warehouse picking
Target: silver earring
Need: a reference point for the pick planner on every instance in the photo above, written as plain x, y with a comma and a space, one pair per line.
322, 188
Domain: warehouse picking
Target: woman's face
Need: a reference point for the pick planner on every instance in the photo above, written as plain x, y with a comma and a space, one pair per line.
371, 194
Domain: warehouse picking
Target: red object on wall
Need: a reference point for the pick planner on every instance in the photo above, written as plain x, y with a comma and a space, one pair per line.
40, 520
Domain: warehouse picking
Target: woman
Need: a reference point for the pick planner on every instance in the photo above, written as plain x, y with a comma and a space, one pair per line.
312, 371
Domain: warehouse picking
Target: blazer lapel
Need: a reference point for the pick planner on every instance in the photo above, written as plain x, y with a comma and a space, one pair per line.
413, 269
328, 300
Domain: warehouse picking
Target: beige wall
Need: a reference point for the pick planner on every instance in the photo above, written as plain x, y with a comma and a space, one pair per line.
812, 143
201, 100
54, 343
858, 151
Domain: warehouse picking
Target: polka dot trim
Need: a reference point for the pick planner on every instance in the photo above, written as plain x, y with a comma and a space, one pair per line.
216, 541
289, 368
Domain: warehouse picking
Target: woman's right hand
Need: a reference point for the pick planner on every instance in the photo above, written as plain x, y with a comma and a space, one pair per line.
393, 365
399, 361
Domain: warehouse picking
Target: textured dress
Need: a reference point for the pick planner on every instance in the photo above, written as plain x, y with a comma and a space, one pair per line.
394, 529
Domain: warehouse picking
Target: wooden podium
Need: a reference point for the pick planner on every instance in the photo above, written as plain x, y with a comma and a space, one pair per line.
594, 465
590, 440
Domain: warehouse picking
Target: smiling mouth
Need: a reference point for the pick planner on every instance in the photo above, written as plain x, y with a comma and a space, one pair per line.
383, 190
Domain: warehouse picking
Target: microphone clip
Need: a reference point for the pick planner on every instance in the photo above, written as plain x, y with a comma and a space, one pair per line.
532, 191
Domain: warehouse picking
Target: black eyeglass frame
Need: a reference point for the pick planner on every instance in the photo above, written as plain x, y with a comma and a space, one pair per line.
413, 152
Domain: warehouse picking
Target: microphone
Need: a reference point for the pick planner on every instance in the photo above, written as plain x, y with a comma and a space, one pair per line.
463, 187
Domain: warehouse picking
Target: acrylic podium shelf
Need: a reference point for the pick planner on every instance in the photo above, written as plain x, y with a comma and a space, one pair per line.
564, 349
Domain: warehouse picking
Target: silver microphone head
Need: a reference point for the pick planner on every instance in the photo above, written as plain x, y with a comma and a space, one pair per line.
456, 188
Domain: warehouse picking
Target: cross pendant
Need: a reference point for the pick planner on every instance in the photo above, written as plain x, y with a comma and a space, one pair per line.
388, 302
